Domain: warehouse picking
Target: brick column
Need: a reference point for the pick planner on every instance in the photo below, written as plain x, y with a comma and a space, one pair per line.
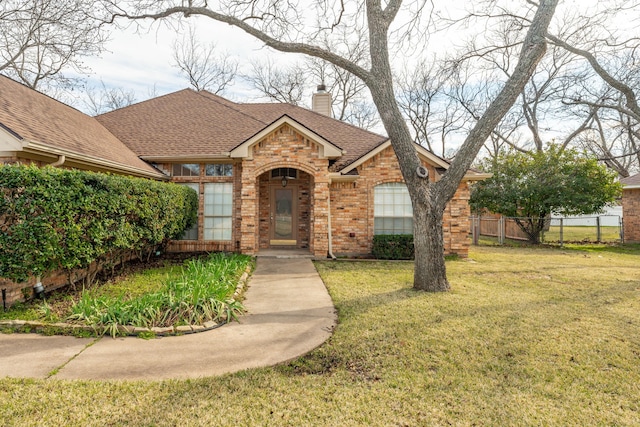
320, 228
249, 210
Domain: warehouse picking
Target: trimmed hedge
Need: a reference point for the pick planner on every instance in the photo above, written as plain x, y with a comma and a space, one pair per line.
53, 219
393, 246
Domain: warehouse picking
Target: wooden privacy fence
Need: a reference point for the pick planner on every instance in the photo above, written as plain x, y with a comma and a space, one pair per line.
603, 228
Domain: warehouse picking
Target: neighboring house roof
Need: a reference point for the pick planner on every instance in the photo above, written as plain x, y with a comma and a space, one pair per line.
197, 125
40, 124
631, 182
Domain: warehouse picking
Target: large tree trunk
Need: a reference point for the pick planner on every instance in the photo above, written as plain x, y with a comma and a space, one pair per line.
430, 272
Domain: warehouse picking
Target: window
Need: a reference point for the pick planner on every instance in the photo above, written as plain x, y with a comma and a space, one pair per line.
192, 233
186, 169
218, 169
392, 210
284, 172
218, 208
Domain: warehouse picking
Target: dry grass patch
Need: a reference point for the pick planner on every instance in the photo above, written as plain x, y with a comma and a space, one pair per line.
527, 337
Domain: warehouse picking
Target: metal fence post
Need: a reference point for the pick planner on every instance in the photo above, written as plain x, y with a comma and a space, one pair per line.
474, 229
621, 222
501, 230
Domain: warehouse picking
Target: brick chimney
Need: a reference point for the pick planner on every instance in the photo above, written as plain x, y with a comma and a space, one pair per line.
321, 101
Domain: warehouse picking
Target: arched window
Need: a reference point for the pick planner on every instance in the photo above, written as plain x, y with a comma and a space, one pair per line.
392, 210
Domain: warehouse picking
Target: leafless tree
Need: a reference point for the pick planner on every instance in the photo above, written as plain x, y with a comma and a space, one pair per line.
280, 26
292, 84
202, 64
104, 99
281, 84
426, 96
40, 39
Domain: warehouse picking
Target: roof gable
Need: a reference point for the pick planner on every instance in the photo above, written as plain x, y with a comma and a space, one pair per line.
245, 149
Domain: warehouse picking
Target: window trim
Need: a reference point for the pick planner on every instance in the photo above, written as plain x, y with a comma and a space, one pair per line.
380, 206
206, 216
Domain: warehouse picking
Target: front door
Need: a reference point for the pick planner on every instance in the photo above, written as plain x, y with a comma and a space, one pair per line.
284, 216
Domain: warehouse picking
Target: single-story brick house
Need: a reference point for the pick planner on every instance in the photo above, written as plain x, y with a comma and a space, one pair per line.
631, 208
269, 175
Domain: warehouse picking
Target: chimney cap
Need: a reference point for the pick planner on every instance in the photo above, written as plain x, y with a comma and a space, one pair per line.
322, 88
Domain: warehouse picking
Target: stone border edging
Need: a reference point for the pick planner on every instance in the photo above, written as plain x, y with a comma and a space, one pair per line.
130, 330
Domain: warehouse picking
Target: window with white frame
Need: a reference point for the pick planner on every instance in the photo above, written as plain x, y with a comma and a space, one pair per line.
218, 209
392, 212
192, 233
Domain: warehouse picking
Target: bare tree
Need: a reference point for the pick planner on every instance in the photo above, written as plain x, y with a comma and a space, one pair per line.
286, 84
291, 84
280, 26
437, 117
205, 67
104, 99
39, 39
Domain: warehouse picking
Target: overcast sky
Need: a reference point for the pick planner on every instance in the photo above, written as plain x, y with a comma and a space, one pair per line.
141, 59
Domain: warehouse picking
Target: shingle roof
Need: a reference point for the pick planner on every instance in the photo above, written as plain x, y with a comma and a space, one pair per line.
633, 180
193, 123
35, 117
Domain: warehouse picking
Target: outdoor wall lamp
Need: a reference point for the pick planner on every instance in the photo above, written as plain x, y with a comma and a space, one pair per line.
284, 181
38, 289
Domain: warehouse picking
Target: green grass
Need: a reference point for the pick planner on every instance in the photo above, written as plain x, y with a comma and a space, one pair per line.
583, 233
527, 337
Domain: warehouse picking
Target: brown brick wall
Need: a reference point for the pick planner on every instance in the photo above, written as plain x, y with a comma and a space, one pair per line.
631, 215
8, 160
285, 148
16, 292
352, 209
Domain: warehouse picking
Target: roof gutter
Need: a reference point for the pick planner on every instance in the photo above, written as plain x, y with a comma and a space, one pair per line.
60, 161
84, 159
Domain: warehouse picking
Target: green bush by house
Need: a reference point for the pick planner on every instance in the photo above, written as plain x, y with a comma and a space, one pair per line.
53, 219
393, 246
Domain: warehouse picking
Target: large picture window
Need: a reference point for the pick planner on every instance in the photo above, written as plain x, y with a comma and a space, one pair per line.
393, 213
192, 233
218, 209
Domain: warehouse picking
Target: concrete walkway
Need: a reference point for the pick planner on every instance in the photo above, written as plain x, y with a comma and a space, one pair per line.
289, 314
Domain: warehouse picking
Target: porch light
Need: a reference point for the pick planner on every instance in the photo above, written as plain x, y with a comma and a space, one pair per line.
284, 181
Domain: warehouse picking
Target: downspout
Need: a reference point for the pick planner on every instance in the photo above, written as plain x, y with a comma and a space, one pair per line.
329, 220
60, 161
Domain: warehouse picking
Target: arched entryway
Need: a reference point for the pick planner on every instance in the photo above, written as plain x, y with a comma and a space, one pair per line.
285, 209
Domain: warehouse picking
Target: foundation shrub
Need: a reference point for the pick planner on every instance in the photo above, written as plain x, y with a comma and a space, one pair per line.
393, 246
53, 219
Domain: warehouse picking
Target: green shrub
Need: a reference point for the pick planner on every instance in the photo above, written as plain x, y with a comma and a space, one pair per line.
52, 219
393, 246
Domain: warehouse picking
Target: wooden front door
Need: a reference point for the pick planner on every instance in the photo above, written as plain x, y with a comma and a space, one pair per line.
284, 216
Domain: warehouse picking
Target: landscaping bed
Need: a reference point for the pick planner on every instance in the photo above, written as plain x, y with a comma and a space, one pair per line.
170, 295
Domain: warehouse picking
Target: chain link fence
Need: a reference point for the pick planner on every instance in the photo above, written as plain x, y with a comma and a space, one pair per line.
558, 230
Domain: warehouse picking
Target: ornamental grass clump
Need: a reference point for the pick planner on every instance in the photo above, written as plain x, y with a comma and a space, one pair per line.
203, 291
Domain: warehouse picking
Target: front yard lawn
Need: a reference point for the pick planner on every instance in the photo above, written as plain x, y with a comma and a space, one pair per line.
527, 337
